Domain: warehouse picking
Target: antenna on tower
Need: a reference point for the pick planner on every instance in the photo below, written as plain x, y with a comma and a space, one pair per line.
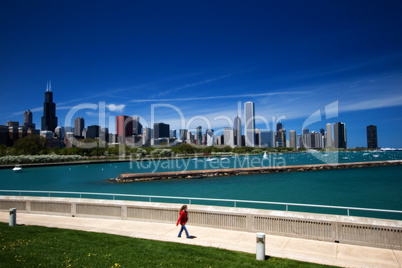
47, 86
50, 85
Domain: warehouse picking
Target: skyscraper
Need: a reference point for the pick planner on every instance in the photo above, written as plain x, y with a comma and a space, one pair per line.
329, 143
340, 140
278, 126
292, 139
137, 126
198, 134
237, 129
49, 119
161, 130
28, 120
228, 134
173, 133
267, 139
124, 127
183, 134
93, 131
210, 137
372, 137
79, 125
249, 125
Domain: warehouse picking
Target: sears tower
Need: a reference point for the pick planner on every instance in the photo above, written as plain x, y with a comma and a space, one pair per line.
49, 119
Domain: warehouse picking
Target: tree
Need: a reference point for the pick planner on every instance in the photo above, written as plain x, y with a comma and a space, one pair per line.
3, 150
31, 145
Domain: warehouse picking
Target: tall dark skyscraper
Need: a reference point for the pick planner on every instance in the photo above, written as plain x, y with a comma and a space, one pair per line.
340, 135
49, 119
161, 130
372, 137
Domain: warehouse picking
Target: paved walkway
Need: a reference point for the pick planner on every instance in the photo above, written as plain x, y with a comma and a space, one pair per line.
276, 246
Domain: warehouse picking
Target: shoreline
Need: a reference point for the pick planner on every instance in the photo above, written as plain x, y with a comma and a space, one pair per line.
199, 174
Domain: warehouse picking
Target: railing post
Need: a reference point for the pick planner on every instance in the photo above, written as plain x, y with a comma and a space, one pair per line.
234, 203
348, 211
287, 208
189, 201
149, 199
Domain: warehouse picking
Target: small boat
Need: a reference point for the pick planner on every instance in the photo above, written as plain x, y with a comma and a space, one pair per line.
17, 168
211, 159
265, 155
376, 155
345, 158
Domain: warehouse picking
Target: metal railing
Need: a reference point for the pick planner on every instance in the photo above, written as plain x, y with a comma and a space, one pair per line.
190, 199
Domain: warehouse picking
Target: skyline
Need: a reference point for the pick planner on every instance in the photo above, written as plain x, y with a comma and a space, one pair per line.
291, 60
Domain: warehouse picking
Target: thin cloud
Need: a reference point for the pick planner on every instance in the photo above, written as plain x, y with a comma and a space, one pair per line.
193, 85
224, 97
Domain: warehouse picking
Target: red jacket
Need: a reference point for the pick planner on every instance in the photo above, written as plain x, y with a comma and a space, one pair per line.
182, 218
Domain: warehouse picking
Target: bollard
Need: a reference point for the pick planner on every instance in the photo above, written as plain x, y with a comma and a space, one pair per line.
13, 217
260, 247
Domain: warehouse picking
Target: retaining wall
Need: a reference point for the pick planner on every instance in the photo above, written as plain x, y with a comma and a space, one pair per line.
339, 229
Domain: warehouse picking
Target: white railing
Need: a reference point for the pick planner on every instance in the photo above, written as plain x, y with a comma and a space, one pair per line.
190, 199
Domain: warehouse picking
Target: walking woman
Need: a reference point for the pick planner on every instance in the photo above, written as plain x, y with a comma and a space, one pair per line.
183, 220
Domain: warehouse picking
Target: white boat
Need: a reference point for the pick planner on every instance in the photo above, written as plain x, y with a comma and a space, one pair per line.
345, 158
376, 155
17, 168
211, 159
265, 155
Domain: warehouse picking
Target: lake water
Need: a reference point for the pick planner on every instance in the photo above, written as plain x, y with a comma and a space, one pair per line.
374, 187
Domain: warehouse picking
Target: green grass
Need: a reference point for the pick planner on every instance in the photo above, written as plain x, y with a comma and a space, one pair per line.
34, 246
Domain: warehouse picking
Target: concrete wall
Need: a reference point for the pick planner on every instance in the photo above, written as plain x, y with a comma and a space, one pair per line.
341, 229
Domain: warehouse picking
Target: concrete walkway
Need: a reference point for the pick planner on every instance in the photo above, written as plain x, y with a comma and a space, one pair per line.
276, 246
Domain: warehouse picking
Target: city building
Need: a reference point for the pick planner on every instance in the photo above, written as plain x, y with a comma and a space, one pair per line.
146, 137
183, 134
328, 138
161, 130
198, 135
49, 119
172, 133
93, 131
249, 124
237, 129
266, 139
79, 124
372, 137
137, 126
28, 120
189, 137
340, 139
210, 137
124, 127
228, 138
292, 139
281, 137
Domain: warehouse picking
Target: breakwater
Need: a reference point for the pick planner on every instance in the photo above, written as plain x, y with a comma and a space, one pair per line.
198, 174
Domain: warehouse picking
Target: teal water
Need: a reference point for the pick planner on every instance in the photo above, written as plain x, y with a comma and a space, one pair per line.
374, 187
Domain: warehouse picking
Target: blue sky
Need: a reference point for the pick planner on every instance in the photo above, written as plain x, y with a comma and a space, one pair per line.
202, 60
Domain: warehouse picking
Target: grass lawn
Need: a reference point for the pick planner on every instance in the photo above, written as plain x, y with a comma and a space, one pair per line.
34, 246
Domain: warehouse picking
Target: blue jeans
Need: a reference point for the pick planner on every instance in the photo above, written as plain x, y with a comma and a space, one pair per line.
183, 227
